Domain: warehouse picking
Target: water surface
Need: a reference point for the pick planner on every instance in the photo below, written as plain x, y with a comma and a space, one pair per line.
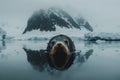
93, 61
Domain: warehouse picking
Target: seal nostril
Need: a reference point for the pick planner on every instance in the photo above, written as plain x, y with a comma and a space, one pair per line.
59, 44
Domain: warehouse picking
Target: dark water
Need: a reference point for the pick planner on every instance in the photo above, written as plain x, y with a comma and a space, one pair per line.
22, 60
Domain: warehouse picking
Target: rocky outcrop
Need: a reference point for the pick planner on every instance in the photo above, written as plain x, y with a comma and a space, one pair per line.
48, 20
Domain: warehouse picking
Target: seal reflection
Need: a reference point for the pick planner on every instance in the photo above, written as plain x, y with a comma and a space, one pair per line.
40, 60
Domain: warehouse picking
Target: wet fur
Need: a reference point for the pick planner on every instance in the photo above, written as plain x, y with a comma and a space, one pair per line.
61, 48
59, 54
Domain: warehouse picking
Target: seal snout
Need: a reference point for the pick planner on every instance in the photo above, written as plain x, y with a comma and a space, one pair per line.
59, 44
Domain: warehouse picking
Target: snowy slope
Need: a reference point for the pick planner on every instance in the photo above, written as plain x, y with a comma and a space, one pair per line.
73, 32
104, 36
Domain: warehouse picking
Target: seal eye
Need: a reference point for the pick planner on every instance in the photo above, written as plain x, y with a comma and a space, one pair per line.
53, 43
66, 42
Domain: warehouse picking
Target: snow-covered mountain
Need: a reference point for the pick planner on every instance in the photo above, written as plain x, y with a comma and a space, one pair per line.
50, 19
46, 23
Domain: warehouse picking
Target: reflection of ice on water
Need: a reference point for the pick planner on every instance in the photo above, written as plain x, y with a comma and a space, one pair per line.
104, 61
2, 47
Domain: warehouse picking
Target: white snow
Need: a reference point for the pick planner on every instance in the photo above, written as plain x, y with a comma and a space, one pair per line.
71, 32
104, 35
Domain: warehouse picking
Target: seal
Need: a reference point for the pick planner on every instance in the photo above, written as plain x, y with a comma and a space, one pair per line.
61, 52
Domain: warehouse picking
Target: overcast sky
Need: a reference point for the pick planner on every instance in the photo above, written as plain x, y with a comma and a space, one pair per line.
102, 14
